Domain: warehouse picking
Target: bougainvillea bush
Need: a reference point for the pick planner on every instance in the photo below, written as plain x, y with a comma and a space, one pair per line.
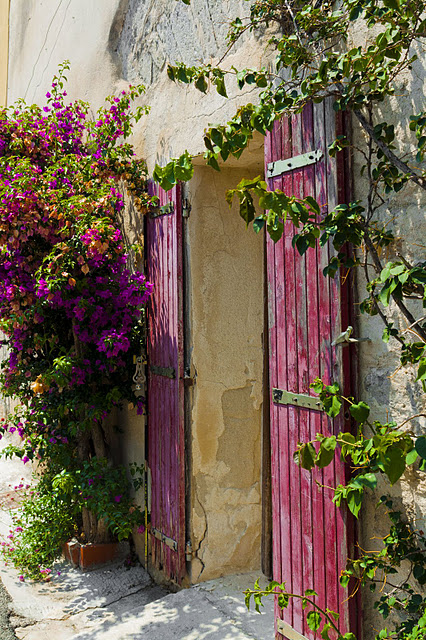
70, 312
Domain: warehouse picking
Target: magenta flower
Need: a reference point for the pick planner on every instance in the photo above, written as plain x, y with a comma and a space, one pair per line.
117, 498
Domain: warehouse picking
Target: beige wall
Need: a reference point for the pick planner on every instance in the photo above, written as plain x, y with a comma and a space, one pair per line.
226, 289
4, 46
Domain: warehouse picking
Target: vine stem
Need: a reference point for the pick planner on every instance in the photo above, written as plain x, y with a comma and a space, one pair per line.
397, 162
299, 597
406, 312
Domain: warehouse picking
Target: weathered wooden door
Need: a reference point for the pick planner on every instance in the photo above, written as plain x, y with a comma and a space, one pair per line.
306, 311
165, 385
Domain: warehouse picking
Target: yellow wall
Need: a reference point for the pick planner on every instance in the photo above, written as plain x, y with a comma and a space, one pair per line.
4, 49
226, 309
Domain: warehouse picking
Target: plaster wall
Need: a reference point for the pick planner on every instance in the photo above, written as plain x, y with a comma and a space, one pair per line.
4, 46
393, 393
226, 289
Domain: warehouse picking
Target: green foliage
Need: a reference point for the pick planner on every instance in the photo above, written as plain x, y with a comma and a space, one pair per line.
401, 564
313, 63
388, 451
323, 620
51, 512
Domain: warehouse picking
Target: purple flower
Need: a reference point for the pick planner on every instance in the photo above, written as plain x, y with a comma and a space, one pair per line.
117, 498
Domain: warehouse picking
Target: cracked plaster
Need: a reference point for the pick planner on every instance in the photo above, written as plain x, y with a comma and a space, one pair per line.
227, 323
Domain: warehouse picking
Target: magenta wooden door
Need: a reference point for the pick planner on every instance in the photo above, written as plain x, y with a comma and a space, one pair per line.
306, 311
165, 386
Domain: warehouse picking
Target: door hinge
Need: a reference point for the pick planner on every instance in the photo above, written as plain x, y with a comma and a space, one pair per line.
186, 208
166, 372
280, 396
188, 551
304, 160
288, 632
169, 542
148, 480
164, 210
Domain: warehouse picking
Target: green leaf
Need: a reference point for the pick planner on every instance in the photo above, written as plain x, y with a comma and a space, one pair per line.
365, 480
360, 411
411, 457
392, 4
394, 463
314, 619
184, 169
201, 83
421, 447
313, 204
306, 456
275, 230
332, 406
326, 452
325, 631
258, 223
220, 86
354, 500
247, 210
421, 373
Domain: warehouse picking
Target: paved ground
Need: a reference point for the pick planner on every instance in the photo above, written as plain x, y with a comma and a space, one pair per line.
6, 631
119, 603
115, 603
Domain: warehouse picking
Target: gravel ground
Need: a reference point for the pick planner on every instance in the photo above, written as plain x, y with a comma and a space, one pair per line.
6, 631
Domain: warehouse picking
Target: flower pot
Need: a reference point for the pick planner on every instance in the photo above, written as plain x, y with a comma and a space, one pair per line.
91, 555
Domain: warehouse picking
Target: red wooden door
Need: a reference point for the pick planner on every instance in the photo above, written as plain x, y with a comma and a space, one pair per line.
306, 311
165, 385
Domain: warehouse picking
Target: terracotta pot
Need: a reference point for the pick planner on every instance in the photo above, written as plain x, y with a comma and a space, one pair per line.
92, 555
88, 556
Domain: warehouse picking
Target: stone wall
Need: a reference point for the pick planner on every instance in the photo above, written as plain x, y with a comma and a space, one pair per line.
393, 393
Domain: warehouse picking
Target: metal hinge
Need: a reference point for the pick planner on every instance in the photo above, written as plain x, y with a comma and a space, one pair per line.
163, 210
166, 372
169, 542
282, 166
188, 551
288, 632
148, 480
186, 208
280, 396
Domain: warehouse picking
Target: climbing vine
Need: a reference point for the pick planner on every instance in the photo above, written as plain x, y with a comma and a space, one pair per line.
315, 61
71, 313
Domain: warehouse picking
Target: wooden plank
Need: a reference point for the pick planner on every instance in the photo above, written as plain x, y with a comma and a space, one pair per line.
275, 297
286, 415
317, 347
297, 365
165, 394
307, 337
337, 353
